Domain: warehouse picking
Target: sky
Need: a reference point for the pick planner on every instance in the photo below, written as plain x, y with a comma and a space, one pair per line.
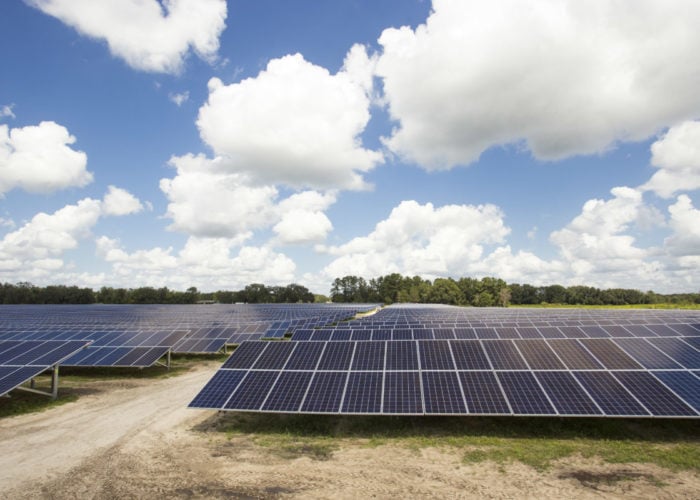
215, 143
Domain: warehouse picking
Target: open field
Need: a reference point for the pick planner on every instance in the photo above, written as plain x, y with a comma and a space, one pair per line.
132, 437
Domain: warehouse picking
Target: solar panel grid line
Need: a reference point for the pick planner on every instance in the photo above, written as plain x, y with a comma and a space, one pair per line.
683, 384
565, 393
682, 352
612, 397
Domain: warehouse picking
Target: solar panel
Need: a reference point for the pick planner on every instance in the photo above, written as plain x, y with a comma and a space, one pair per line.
653, 395
288, 392
435, 355
538, 355
503, 355
609, 394
646, 354
567, 396
610, 354
364, 393
442, 393
218, 389
525, 394
469, 355
369, 356
679, 350
402, 393
483, 393
325, 392
401, 355
337, 356
305, 356
684, 384
252, 390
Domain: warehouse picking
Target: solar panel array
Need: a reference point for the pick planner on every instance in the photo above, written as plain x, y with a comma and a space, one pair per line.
446, 361
22, 360
140, 336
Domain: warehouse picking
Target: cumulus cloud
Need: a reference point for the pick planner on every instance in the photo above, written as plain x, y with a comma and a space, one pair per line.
148, 35
207, 263
302, 218
35, 247
39, 159
559, 77
205, 200
685, 223
119, 201
677, 156
596, 239
421, 240
295, 123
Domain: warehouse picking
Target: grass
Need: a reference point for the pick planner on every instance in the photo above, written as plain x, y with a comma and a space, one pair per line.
537, 442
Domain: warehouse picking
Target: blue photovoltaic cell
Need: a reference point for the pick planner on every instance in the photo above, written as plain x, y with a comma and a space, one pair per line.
443, 333
469, 355
364, 393
572, 332
694, 341
652, 394
320, 335
275, 356
684, 384
504, 355
566, 394
341, 335
507, 333
131, 357
485, 333
401, 355
288, 392
361, 335
662, 330
337, 356
574, 355
551, 332
529, 332
594, 332
610, 354
302, 334
325, 392
538, 355
402, 334
442, 393
381, 335
245, 355
640, 331
435, 355
402, 394
483, 393
465, 333
617, 331
218, 389
646, 354
684, 329
611, 397
369, 356
110, 355
423, 334
252, 390
524, 394
305, 356
152, 355
678, 350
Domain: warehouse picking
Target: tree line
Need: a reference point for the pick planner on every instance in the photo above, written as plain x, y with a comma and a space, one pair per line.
488, 292
26, 293
389, 289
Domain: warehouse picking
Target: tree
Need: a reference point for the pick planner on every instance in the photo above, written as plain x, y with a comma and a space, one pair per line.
504, 297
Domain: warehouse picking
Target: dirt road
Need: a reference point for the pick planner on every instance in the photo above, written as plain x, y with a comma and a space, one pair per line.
137, 439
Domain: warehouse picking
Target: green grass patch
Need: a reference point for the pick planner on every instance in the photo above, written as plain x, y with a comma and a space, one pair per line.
20, 402
537, 442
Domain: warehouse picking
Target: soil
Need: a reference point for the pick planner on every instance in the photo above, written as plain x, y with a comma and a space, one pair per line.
137, 439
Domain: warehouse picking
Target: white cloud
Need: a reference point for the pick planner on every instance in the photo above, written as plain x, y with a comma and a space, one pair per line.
179, 99
207, 263
39, 159
421, 240
118, 201
35, 248
685, 223
149, 35
595, 240
295, 123
7, 223
6, 111
561, 77
677, 156
206, 201
302, 218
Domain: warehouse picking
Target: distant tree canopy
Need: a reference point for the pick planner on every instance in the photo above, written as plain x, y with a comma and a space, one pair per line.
26, 293
389, 289
488, 291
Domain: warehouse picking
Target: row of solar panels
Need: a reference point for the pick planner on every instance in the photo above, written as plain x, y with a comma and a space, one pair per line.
577, 393
572, 332
558, 354
21, 361
627, 376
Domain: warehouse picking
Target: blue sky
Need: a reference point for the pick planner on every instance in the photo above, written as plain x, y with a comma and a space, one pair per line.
215, 144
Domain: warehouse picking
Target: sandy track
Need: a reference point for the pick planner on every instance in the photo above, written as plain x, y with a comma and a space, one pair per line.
137, 439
